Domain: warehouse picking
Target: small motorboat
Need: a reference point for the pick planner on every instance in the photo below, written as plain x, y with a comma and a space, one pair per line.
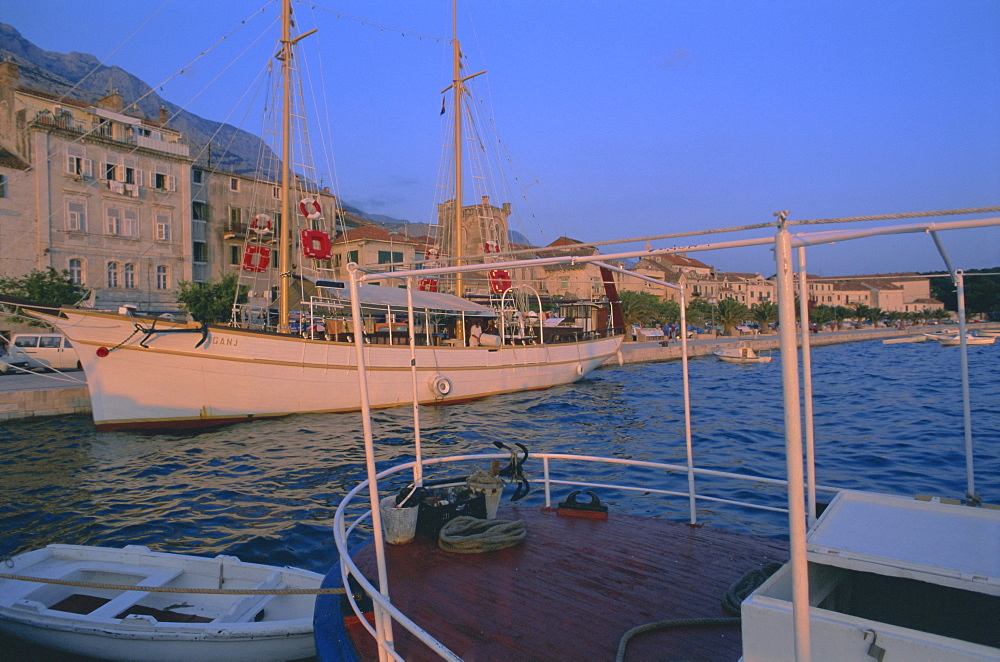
116, 615
739, 353
970, 339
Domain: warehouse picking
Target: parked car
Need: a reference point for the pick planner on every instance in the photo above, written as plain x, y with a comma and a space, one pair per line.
48, 351
12, 364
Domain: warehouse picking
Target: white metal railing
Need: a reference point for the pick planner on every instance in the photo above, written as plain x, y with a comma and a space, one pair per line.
343, 530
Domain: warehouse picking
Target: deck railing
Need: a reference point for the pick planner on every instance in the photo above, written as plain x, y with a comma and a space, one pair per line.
343, 530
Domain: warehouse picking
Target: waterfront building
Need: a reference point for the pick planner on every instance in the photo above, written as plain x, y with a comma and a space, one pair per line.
93, 191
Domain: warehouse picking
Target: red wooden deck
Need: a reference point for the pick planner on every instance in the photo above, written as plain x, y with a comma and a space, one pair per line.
573, 589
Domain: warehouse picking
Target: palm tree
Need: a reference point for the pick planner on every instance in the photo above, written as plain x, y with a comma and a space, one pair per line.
639, 307
874, 315
821, 315
729, 313
764, 313
860, 312
841, 313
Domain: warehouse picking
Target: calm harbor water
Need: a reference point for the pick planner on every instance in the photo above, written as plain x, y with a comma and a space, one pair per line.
888, 418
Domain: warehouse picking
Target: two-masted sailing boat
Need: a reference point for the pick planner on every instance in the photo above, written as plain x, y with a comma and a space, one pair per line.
298, 352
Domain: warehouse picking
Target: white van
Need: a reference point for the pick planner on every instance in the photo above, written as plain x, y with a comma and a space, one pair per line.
49, 351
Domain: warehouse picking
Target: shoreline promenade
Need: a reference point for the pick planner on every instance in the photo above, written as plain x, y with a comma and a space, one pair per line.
28, 395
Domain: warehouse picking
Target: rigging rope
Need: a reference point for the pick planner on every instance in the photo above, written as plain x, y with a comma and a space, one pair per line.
470, 535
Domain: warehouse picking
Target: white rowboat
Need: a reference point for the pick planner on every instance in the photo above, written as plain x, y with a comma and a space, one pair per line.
141, 624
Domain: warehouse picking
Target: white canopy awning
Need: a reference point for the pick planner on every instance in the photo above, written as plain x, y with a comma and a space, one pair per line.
379, 296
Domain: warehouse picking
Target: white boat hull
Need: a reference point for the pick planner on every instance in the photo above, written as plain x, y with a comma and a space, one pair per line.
235, 375
231, 627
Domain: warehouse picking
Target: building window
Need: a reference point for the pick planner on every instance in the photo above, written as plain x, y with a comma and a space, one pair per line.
200, 252
112, 274
163, 182
390, 257
162, 277
3, 186
76, 271
235, 218
197, 175
352, 256
76, 216
234, 184
161, 227
131, 225
128, 276
111, 171
113, 220
199, 210
276, 192
234, 255
79, 166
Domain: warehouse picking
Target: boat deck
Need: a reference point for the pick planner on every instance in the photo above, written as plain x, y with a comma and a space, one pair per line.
573, 589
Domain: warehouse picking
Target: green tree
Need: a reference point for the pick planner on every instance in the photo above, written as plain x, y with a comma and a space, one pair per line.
729, 313
700, 312
46, 287
639, 307
860, 312
764, 313
211, 302
841, 313
821, 314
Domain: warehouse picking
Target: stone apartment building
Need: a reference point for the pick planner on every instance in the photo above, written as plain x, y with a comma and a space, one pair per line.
93, 191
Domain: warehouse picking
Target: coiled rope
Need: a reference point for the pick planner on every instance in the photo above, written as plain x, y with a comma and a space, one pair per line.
470, 535
731, 601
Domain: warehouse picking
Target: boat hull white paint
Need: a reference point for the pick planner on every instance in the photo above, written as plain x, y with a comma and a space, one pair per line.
240, 627
237, 374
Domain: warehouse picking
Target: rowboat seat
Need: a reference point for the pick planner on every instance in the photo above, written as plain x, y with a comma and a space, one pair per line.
121, 603
250, 607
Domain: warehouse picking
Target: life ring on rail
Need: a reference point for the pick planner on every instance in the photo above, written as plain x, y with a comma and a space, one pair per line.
428, 285
432, 254
491, 247
262, 224
316, 244
500, 280
310, 208
440, 385
256, 258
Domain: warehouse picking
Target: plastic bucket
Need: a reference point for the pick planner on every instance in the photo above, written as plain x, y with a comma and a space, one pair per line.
399, 525
492, 492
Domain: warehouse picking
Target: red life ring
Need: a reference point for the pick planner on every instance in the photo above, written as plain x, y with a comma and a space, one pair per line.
432, 254
428, 285
316, 244
500, 280
491, 247
310, 208
261, 224
256, 258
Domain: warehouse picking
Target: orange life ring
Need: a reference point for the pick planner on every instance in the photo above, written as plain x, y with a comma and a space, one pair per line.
428, 285
310, 208
256, 258
262, 224
316, 244
500, 280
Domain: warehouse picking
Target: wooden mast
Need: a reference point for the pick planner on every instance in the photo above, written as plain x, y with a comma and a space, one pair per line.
458, 88
285, 225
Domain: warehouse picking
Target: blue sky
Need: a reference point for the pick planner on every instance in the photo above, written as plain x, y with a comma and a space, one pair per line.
635, 118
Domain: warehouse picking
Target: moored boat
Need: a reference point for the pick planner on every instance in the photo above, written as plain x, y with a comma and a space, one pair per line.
296, 352
970, 339
742, 352
136, 621
861, 577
